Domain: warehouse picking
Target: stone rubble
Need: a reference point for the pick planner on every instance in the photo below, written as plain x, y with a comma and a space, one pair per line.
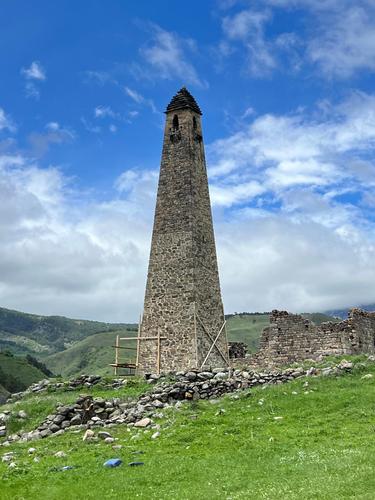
84, 381
88, 412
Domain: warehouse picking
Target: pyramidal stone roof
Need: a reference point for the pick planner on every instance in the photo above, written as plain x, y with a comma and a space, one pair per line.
183, 100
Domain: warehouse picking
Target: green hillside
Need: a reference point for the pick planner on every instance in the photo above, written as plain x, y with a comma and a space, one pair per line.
286, 442
29, 333
247, 328
17, 373
91, 355
3, 394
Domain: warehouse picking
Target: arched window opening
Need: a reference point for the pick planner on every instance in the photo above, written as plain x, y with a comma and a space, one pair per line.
194, 123
175, 123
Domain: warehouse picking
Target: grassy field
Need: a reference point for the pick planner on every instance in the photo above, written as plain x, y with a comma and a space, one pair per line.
237, 447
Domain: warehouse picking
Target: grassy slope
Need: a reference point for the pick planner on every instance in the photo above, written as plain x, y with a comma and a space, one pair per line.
18, 372
322, 448
39, 334
91, 355
247, 328
3, 394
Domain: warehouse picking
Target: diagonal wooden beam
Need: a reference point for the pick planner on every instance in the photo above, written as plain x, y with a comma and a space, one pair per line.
212, 340
213, 345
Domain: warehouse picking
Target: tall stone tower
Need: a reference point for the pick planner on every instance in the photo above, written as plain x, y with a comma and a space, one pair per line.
183, 323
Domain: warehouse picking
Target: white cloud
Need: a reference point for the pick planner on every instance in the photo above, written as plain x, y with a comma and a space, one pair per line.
345, 41
33, 75
133, 94
291, 265
300, 148
63, 256
166, 57
104, 111
34, 72
6, 122
339, 37
248, 26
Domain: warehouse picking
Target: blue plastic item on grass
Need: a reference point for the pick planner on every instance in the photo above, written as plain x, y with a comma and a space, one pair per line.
112, 462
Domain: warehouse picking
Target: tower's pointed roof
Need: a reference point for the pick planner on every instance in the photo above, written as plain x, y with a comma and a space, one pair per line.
183, 100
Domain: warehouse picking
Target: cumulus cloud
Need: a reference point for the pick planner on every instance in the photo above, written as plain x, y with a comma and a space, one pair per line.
166, 56
60, 256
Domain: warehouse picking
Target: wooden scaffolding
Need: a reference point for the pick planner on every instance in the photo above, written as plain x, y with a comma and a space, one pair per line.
132, 366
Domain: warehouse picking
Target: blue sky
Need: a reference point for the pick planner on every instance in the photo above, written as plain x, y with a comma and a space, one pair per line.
286, 89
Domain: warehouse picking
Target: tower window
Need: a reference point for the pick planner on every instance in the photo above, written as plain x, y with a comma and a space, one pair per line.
194, 123
175, 123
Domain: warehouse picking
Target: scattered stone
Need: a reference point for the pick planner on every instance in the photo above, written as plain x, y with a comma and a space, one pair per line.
109, 440
135, 464
144, 422
60, 454
104, 435
22, 414
88, 435
278, 418
31, 451
155, 435
367, 376
345, 365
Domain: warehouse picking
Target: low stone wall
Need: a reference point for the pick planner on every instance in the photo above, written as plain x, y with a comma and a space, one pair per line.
291, 338
88, 412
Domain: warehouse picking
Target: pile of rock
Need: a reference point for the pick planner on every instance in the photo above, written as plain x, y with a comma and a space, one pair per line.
88, 412
71, 385
237, 350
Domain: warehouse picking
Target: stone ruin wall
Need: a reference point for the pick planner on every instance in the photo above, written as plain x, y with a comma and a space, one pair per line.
291, 338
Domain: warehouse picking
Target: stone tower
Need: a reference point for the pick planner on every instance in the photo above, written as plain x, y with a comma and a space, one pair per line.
183, 303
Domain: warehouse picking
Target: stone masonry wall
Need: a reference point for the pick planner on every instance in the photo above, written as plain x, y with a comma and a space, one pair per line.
291, 338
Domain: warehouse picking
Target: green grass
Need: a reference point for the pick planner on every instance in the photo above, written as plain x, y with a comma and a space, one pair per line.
92, 355
323, 447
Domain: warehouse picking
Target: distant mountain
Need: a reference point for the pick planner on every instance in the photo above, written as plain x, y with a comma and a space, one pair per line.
24, 333
343, 313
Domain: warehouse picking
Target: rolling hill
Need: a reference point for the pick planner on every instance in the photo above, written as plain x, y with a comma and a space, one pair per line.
24, 333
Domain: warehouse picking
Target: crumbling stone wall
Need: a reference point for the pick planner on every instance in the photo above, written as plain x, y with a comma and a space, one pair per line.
291, 338
237, 350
